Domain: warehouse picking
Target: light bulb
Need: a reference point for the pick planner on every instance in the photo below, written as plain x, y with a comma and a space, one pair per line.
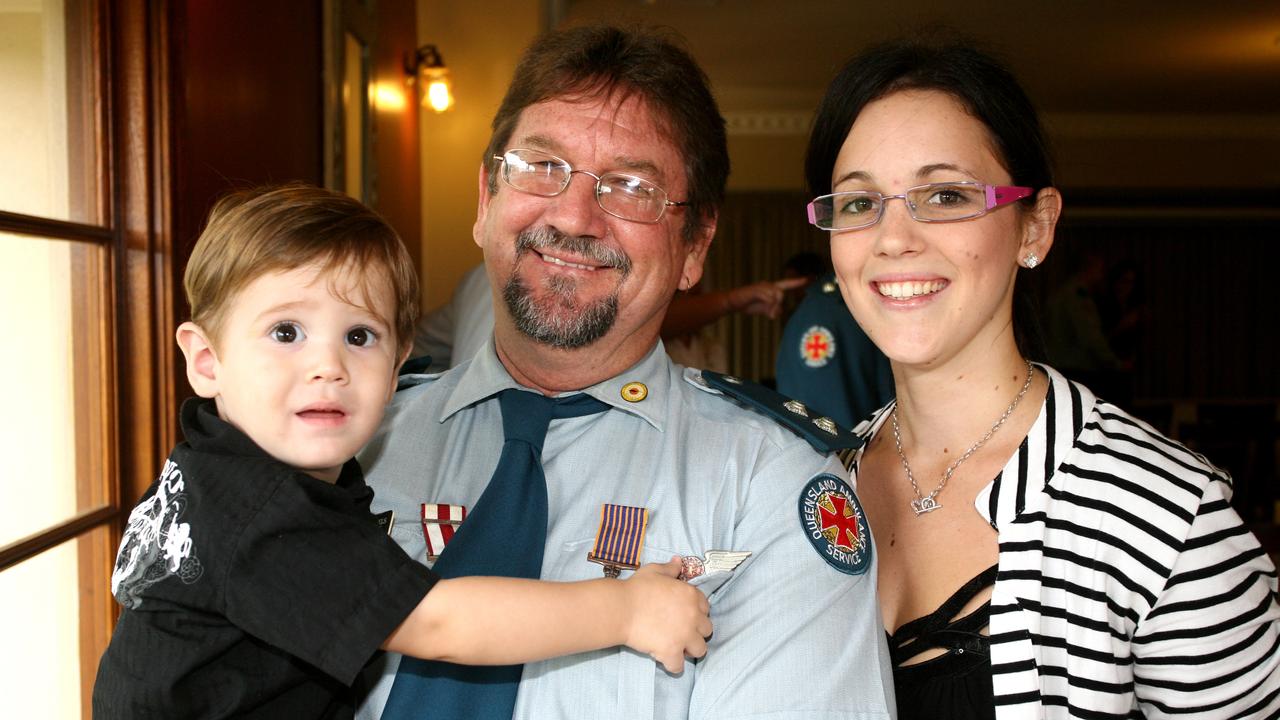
438, 96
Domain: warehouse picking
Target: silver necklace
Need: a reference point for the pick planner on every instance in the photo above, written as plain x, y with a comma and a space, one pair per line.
929, 503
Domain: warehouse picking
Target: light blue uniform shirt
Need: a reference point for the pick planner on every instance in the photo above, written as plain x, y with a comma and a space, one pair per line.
794, 636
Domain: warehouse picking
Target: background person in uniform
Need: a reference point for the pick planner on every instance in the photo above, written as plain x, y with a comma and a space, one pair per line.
599, 194
827, 362
1105, 560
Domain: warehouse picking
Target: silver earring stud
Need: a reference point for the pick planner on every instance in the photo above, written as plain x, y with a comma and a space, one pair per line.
1031, 260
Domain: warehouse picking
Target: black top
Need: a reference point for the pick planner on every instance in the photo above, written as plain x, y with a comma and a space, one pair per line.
250, 589
953, 686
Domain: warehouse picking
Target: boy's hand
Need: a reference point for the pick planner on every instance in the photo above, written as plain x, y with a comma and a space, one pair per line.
668, 617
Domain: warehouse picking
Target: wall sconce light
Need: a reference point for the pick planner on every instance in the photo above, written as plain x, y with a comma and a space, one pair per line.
428, 67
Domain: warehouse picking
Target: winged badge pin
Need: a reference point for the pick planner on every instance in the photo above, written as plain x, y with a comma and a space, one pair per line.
715, 561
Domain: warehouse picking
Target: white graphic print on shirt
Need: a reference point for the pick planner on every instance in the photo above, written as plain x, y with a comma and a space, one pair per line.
155, 544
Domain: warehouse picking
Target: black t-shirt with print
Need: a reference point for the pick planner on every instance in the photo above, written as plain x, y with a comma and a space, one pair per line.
250, 589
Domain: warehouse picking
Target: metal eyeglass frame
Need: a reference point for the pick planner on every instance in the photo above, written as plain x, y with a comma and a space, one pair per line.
996, 196
568, 178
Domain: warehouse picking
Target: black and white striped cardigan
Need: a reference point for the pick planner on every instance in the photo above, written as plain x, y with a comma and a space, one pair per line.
1128, 587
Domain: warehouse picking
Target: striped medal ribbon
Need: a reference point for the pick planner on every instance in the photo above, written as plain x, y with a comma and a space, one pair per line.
439, 523
620, 538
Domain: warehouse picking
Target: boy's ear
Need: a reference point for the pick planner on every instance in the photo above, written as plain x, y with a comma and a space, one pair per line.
202, 359
395, 376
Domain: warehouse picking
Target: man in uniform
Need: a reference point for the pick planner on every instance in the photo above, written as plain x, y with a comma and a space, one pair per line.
598, 198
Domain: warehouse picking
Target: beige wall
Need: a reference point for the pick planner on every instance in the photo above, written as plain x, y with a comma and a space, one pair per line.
480, 44
770, 162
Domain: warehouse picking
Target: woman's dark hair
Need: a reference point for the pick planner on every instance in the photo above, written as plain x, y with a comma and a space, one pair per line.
980, 83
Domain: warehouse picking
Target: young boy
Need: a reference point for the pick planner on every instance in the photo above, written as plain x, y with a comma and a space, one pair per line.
254, 579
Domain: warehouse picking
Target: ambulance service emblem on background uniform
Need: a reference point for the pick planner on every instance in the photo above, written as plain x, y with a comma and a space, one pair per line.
817, 345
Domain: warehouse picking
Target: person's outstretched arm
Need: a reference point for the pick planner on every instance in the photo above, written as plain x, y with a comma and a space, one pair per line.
506, 621
688, 313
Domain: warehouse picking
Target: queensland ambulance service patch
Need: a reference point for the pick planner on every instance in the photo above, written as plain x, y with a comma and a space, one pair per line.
817, 346
834, 522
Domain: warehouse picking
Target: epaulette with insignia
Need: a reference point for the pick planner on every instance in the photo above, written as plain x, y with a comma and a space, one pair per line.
414, 372
416, 365
821, 432
404, 382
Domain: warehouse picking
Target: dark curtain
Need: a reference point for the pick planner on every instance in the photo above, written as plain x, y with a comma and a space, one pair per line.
757, 233
1208, 292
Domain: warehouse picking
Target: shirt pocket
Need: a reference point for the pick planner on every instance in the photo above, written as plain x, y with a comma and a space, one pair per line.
637, 673
572, 564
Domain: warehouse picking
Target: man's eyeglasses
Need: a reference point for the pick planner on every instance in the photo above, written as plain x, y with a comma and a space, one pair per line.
936, 202
622, 196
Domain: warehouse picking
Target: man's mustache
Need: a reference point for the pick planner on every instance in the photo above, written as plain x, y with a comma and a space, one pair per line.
545, 238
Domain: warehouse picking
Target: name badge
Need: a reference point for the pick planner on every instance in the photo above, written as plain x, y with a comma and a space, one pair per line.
386, 520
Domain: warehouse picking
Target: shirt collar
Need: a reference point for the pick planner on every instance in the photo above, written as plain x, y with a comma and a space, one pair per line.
1020, 486
485, 376
205, 432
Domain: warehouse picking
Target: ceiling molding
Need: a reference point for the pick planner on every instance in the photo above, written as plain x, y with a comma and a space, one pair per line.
1163, 126
742, 123
765, 122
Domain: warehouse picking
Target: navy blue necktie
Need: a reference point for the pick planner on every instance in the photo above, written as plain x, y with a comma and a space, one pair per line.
503, 535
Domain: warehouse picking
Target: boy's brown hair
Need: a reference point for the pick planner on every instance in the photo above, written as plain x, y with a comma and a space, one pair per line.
280, 228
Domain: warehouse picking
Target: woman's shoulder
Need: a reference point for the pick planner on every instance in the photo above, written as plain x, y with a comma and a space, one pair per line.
1110, 440
1131, 446
1089, 463
865, 430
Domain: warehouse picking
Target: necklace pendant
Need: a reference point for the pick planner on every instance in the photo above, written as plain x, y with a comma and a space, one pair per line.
924, 505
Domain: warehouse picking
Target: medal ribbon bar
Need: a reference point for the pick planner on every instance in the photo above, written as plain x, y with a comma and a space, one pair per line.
439, 523
620, 538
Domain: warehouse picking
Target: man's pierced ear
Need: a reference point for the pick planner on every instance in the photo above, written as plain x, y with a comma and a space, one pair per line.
202, 359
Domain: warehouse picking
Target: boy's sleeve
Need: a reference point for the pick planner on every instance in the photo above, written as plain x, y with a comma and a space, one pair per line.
323, 585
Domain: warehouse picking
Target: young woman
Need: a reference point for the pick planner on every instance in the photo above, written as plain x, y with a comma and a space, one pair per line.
1042, 553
